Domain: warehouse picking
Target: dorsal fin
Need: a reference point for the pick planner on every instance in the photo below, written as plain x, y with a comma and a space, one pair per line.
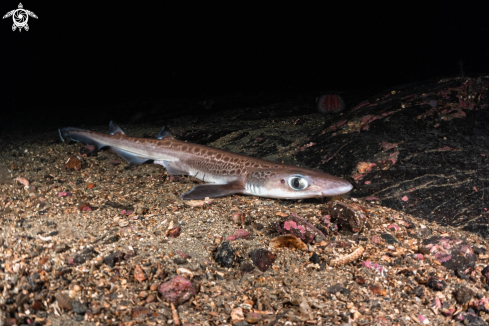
114, 129
164, 133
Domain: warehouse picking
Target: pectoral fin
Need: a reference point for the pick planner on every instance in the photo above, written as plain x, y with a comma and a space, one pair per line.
213, 190
129, 157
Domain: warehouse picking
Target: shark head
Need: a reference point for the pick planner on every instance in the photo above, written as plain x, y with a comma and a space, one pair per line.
295, 183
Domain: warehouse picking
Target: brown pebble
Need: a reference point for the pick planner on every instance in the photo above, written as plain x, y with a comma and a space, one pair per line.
96, 307
73, 163
377, 290
143, 294
150, 298
154, 287
64, 301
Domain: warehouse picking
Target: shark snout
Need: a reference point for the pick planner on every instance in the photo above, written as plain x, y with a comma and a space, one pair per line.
338, 188
331, 186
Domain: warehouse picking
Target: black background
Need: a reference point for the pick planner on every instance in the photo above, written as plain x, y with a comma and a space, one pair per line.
80, 54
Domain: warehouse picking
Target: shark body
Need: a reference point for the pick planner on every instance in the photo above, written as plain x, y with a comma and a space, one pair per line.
225, 172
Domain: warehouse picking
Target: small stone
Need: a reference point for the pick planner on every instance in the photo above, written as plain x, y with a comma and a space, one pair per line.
143, 294
479, 250
360, 280
62, 247
37, 305
81, 258
240, 234
174, 232
79, 307
150, 298
314, 258
418, 291
225, 254
461, 274
377, 290
64, 301
73, 163
237, 315
177, 290
463, 295
139, 312
113, 258
139, 274
436, 283
180, 260
389, 238
335, 288
262, 259
246, 267
423, 232
95, 307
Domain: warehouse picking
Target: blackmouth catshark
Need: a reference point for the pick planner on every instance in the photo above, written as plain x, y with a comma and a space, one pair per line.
227, 173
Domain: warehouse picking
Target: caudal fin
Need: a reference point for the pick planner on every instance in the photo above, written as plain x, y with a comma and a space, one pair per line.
79, 135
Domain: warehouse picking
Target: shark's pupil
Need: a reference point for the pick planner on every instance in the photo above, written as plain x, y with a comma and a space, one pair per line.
298, 183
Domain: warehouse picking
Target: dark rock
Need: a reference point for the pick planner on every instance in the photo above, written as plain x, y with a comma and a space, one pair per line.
113, 258
463, 295
247, 267
479, 250
180, 260
485, 273
225, 254
461, 274
351, 216
79, 307
335, 288
21, 298
315, 258
471, 319
242, 323
436, 283
78, 318
419, 291
389, 238
86, 254
112, 239
89, 150
258, 226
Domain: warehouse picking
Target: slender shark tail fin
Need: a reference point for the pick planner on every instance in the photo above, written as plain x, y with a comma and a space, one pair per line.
74, 135
86, 137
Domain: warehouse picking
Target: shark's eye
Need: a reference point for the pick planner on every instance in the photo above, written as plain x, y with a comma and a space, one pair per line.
297, 182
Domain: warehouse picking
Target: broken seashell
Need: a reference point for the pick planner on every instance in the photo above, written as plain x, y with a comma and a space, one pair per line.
288, 241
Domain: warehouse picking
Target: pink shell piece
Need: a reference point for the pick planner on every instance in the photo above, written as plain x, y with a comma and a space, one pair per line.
23, 181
